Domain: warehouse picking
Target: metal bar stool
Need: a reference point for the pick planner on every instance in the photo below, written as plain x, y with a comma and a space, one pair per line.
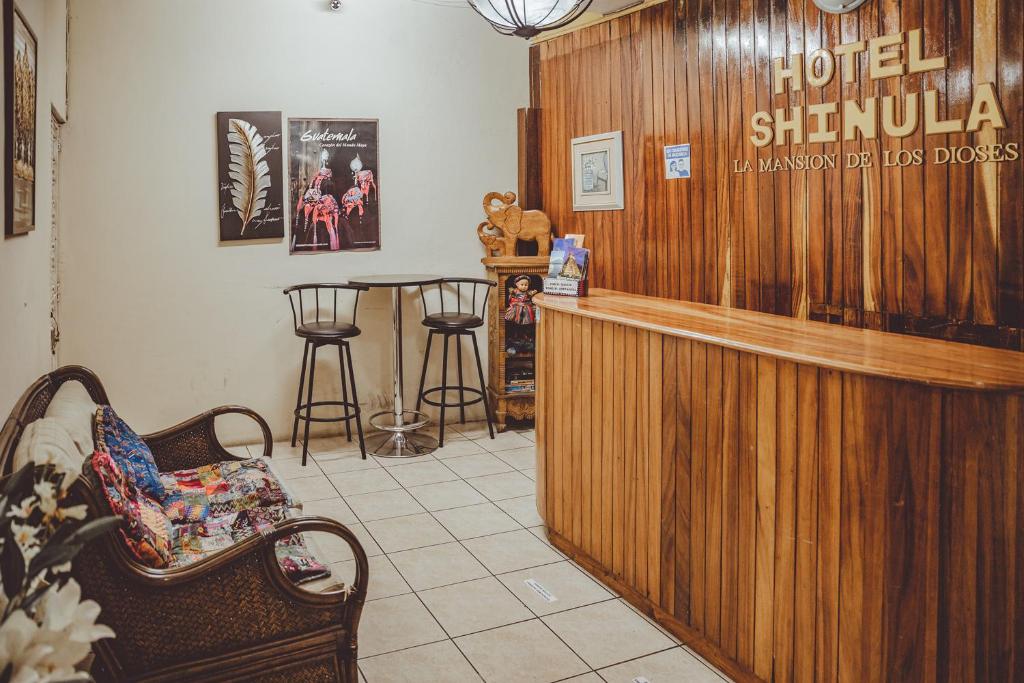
315, 315
460, 322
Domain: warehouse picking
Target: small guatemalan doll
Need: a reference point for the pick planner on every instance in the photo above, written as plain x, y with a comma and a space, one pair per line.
520, 303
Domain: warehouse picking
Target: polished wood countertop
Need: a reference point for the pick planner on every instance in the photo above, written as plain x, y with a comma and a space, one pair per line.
868, 352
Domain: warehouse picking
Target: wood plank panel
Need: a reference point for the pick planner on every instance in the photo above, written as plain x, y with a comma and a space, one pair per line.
789, 522
933, 249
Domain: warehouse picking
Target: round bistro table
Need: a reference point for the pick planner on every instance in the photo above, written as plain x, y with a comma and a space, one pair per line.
400, 439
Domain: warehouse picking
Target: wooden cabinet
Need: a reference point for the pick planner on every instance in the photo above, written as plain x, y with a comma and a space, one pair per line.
511, 339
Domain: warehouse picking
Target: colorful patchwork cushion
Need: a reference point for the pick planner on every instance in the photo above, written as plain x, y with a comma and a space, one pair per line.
193, 542
196, 494
129, 451
146, 529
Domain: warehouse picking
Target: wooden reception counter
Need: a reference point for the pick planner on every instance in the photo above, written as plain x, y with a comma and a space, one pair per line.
794, 500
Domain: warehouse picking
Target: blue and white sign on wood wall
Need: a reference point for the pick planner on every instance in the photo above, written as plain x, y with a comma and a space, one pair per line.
677, 161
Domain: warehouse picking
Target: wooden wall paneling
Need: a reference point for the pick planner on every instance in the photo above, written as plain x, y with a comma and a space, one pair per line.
748, 153
996, 495
660, 249
957, 651
707, 81
1010, 28
608, 453
830, 432
887, 247
785, 518
586, 386
721, 98
783, 236
764, 586
641, 457
542, 458
698, 484
912, 524
891, 252
595, 427
912, 178
853, 185
739, 282
814, 229
866, 431
687, 26
685, 407
806, 498
936, 214
764, 101
677, 233
668, 457
790, 523
872, 256
985, 209
834, 237
748, 508
655, 472
713, 498
620, 482
959, 88
575, 440
798, 181
731, 560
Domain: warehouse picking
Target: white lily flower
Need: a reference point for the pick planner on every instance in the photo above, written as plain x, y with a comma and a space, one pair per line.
73, 512
47, 493
23, 510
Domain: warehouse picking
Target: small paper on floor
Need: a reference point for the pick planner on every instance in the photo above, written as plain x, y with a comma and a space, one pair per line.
540, 590
640, 679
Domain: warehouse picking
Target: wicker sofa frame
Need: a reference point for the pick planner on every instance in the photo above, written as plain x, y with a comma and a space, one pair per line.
233, 616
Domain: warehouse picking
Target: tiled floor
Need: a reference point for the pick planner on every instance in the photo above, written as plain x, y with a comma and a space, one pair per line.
463, 584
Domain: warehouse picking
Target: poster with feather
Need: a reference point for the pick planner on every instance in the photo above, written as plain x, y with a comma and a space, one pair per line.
335, 185
250, 175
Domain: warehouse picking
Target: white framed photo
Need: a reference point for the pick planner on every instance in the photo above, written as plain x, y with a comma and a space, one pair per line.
597, 183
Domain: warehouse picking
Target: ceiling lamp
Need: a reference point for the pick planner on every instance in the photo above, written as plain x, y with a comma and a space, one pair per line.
527, 18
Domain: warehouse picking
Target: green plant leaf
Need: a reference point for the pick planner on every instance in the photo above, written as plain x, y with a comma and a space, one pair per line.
94, 528
12, 568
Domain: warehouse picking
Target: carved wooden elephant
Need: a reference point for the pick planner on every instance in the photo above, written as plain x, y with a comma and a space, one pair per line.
514, 224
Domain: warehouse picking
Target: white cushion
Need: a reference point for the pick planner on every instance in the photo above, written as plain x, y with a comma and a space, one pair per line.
46, 441
75, 410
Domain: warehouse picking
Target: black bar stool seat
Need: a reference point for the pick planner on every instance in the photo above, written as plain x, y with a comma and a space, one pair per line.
315, 315
326, 331
457, 323
453, 321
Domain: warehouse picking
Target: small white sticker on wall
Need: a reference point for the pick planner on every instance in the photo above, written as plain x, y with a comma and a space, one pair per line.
540, 590
677, 161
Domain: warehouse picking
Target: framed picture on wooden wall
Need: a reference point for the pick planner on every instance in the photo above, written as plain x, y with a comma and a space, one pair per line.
250, 176
334, 175
597, 183
20, 85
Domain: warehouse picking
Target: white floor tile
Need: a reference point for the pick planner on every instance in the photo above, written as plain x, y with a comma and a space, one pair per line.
405, 533
503, 486
502, 442
383, 504
607, 633
511, 551
477, 465
527, 652
476, 520
522, 509
554, 588
438, 565
396, 623
670, 666
437, 663
363, 481
445, 495
474, 606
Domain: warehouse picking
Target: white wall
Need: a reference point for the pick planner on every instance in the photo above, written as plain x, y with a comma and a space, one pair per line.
174, 323
25, 259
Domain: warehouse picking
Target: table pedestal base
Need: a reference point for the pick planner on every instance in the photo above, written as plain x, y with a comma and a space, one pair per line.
400, 444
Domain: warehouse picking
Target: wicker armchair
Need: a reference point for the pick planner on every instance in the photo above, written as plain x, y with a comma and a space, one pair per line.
233, 616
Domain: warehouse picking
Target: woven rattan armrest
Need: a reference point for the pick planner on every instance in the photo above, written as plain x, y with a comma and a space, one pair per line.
237, 598
194, 442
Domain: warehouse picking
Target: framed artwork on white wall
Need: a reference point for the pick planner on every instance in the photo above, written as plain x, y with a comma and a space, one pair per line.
597, 183
250, 176
19, 106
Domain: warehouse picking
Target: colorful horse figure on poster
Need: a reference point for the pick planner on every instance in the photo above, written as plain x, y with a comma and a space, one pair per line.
364, 180
321, 207
353, 199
